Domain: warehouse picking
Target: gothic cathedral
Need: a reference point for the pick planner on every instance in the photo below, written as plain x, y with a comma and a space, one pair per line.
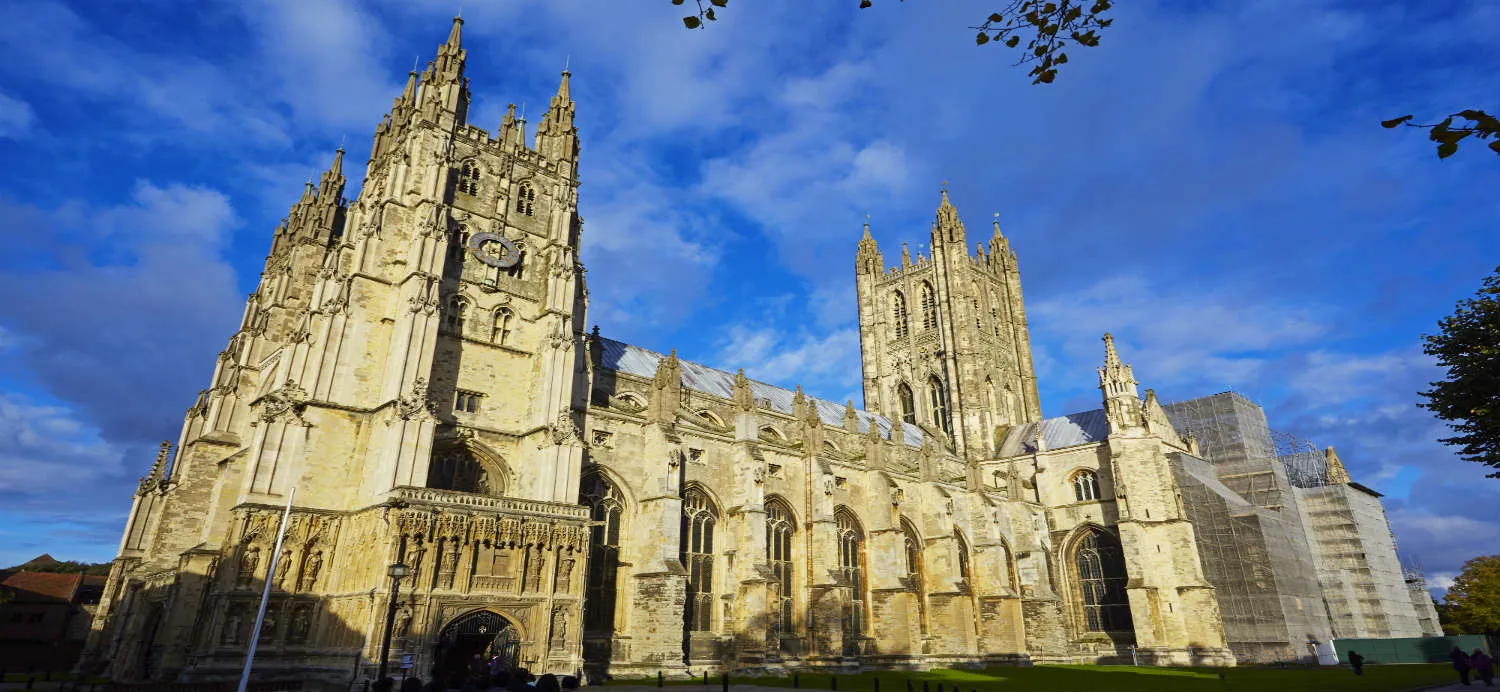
414, 385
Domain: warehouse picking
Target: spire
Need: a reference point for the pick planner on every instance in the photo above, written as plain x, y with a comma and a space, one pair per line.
331, 183
556, 136
948, 227
905, 256
1122, 405
157, 476
867, 259
455, 35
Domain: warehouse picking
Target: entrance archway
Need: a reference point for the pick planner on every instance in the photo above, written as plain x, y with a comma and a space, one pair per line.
481, 633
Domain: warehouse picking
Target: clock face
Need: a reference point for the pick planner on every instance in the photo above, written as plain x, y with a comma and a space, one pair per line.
494, 250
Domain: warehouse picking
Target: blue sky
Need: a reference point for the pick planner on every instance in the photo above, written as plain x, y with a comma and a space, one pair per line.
1210, 184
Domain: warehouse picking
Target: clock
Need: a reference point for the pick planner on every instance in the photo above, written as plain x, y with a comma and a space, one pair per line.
494, 249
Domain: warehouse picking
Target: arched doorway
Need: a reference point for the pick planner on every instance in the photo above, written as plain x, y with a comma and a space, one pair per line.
481, 633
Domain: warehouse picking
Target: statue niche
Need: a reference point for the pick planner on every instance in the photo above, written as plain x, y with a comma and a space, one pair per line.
457, 467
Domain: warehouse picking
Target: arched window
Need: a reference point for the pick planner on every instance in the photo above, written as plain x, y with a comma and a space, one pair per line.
458, 313
1085, 486
995, 321
518, 270
468, 177
503, 317
456, 468
912, 544
899, 316
929, 306
977, 325
852, 568
698, 519
937, 396
607, 506
780, 527
458, 243
908, 403
525, 199
962, 546
1100, 573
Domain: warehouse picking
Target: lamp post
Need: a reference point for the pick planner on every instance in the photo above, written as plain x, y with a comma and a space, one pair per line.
397, 572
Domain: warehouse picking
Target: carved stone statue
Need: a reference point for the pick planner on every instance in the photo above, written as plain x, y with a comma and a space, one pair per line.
249, 561
283, 565
310, 568
301, 625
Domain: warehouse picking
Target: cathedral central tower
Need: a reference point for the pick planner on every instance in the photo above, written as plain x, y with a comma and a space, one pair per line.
943, 339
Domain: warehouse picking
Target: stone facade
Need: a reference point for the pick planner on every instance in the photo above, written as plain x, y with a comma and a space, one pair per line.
414, 381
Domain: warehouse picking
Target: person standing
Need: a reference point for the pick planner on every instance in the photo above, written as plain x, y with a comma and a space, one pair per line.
1357, 662
1484, 667
1461, 664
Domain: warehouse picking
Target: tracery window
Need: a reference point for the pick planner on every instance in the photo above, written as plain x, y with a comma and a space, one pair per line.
698, 519
468, 177
963, 555
607, 507
937, 396
503, 317
899, 316
977, 313
1086, 486
526, 199
912, 544
1100, 567
908, 403
995, 321
851, 567
929, 306
780, 527
458, 313
456, 468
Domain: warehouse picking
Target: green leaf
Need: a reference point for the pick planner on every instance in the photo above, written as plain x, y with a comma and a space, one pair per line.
1393, 122
1061, 58
997, 17
710, 14
864, 3
719, 3
1496, 146
677, 2
1446, 149
1012, 41
982, 38
691, 22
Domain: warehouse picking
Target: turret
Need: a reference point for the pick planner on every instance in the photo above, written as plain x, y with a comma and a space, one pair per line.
556, 136
867, 259
948, 228
1336, 471
1122, 405
442, 96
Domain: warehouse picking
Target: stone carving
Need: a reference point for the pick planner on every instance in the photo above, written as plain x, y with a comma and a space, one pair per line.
248, 562
565, 431
759, 475
283, 565
234, 626
828, 485
559, 627
565, 575
310, 568
301, 625
287, 398
415, 404
402, 623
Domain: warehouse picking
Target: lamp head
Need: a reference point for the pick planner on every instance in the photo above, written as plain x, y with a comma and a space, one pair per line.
398, 571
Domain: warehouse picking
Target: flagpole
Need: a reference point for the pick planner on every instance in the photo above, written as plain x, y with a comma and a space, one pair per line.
265, 594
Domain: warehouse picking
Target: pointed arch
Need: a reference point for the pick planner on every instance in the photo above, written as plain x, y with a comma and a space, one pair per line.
916, 582
899, 317
468, 467
502, 325
526, 198
700, 515
457, 314
781, 530
1085, 484
929, 306
852, 570
607, 506
937, 398
908, 403
468, 177
962, 547
1097, 567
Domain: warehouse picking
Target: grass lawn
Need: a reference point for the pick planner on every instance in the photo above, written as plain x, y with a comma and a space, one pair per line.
1389, 678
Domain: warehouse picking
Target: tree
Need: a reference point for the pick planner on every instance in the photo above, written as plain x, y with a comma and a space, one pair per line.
1473, 602
1468, 345
1047, 27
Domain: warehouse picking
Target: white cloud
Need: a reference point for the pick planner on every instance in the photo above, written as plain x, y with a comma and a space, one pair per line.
820, 363
45, 449
16, 117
